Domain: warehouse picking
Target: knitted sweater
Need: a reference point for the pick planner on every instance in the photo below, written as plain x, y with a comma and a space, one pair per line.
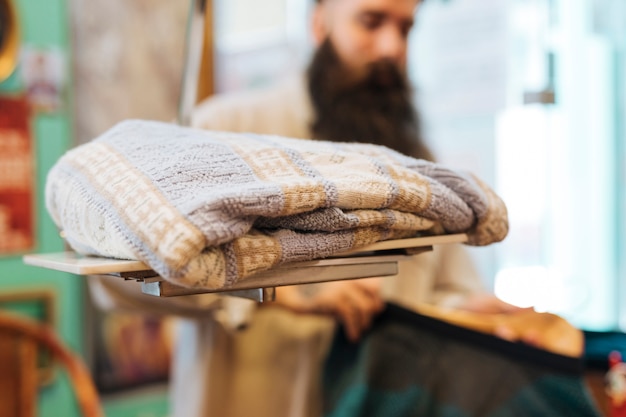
207, 209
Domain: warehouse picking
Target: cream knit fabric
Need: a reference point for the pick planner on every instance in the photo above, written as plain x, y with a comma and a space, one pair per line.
207, 209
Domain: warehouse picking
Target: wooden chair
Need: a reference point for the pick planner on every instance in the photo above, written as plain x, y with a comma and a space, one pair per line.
20, 338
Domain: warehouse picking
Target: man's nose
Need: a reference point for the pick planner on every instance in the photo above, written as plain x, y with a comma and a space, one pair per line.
392, 45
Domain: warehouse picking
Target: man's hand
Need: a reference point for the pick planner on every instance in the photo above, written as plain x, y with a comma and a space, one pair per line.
352, 302
489, 304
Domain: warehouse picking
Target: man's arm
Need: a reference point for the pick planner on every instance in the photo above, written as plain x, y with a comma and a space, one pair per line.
455, 277
353, 303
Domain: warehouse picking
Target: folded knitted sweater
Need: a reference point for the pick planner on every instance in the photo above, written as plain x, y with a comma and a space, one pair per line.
206, 209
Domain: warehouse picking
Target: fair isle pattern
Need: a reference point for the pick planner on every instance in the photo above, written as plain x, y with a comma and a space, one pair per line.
413, 190
208, 209
299, 192
494, 219
333, 219
161, 227
360, 182
256, 252
209, 269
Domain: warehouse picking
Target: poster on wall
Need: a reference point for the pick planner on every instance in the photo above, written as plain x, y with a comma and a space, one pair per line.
17, 177
43, 75
130, 350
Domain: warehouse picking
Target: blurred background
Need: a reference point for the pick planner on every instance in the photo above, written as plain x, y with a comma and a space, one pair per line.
528, 94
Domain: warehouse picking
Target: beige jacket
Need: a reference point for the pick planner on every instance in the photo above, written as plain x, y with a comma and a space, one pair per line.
270, 367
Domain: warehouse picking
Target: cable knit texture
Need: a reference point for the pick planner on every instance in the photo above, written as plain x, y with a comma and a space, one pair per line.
206, 209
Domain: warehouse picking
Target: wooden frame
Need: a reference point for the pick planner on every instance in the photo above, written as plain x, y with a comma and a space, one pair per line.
206, 79
39, 305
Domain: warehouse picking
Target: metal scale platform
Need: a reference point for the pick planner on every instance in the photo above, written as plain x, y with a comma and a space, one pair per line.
376, 260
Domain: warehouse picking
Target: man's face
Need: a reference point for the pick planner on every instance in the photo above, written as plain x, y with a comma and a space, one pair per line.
366, 31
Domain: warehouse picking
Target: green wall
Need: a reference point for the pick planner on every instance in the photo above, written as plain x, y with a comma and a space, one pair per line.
44, 24
152, 402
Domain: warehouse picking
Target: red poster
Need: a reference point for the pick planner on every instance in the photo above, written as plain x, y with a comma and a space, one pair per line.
17, 229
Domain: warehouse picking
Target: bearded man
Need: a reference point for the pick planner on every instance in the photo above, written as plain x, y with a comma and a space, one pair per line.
354, 90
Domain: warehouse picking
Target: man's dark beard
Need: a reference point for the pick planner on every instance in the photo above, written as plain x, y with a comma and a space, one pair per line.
377, 109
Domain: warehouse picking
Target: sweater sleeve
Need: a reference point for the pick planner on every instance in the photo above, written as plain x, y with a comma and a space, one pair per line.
455, 276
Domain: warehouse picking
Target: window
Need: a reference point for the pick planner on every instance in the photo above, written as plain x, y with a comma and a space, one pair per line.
528, 94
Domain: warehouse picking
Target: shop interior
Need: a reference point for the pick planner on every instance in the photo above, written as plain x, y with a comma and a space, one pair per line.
529, 95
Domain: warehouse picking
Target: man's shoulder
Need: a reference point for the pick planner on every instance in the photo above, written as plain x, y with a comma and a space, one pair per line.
245, 110
258, 96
